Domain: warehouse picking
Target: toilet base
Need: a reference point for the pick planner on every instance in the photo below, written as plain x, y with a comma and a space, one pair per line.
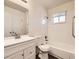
43, 56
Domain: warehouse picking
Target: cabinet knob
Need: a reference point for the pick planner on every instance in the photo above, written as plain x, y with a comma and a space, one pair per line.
30, 52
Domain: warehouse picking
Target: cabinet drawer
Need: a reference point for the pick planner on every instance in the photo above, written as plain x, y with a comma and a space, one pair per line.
18, 47
29, 52
17, 55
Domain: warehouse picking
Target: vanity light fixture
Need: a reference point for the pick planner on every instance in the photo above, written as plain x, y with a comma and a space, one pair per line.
44, 20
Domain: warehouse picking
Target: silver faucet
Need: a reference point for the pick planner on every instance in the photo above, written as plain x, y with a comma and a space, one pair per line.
15, 35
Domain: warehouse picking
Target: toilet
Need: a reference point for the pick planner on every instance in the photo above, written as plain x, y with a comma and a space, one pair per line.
44, 49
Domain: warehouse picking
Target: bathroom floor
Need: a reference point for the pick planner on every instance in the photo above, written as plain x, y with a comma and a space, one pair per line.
50, 57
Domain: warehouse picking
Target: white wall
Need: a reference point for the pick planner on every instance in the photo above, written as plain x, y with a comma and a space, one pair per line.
15, 20
61, 34
36, 15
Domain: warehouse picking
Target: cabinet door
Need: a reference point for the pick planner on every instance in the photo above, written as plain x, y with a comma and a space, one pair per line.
18, 55
32, 57
72, 56
29, 53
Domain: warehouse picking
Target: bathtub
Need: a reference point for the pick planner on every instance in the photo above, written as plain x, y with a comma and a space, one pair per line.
62, 52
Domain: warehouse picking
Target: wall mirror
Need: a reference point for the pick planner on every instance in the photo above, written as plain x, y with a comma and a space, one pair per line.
15, 19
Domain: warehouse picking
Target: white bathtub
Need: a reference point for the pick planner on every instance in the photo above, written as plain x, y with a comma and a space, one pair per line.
62, 51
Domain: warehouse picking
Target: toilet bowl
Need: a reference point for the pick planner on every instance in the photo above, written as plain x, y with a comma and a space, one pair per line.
44, 48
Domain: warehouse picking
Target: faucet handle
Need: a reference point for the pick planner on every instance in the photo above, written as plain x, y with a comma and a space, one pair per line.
11, 33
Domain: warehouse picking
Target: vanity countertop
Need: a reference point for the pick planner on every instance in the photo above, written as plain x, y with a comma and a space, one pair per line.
11, 40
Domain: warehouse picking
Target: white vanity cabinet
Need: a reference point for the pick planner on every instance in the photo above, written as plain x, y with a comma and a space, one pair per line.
24, 50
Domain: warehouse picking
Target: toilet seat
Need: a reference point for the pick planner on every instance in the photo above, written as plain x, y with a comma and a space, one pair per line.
44, 48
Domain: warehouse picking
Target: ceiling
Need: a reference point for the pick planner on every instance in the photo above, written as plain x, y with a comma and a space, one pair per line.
53, 3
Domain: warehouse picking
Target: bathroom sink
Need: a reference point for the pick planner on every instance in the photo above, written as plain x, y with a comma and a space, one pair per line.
44, 48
